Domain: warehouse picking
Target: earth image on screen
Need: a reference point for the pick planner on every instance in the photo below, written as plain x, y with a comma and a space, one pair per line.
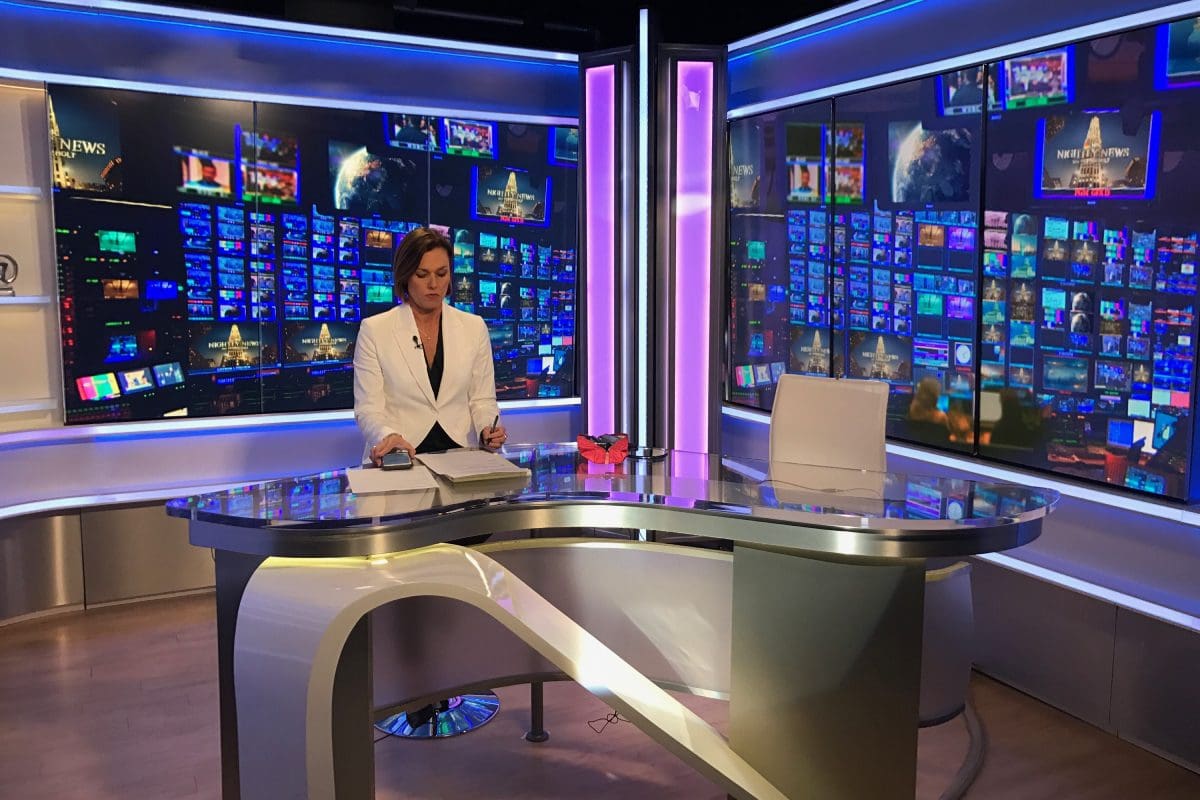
371, 182
932, 166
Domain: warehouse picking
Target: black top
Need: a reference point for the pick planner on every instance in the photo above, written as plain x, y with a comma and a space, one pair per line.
437, 438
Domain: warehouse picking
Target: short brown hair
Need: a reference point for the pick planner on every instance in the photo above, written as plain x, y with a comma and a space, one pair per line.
416, 244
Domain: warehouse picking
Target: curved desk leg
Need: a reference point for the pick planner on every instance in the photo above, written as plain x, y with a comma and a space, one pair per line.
826, 672
297, 615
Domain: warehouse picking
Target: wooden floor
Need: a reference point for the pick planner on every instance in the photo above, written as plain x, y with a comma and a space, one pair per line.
121, 703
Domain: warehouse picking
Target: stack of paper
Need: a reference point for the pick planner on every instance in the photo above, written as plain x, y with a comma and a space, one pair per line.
464, 465
371, 481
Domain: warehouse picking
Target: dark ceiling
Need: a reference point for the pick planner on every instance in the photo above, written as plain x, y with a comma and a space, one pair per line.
566, 25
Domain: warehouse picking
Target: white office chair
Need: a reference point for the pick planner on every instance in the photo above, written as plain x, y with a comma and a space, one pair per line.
841, 423
829, 422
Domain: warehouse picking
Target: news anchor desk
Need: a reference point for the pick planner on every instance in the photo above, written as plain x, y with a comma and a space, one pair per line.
335, 610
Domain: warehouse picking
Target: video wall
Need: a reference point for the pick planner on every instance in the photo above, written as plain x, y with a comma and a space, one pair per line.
217, 257
1011, 246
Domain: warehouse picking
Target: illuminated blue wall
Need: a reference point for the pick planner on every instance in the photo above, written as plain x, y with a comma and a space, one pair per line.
64, 42
900, 35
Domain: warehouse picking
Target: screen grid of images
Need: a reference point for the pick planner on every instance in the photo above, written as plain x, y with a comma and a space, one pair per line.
217, 257
1033, 302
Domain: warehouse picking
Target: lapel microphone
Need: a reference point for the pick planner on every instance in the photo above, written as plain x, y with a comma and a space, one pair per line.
417, 343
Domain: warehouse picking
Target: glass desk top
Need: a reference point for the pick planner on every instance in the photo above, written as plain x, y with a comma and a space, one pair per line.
895, 505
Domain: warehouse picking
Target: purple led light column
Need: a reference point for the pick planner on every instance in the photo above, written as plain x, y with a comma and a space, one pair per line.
600, 246
693, 252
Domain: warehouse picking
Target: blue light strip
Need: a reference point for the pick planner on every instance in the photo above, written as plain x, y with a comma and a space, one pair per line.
802, 24
176, 427
211, 21
21, 192
854, 20
999, 53
286, 99
1161, 511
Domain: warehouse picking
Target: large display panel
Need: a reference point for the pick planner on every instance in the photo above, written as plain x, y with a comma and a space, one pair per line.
1019, 263
780, 169
905, 257
1092, 221
217, 257
860, 258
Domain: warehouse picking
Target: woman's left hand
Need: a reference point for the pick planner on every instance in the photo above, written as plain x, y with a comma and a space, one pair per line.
493, 438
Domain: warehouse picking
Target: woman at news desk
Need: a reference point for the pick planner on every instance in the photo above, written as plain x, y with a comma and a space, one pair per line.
423, 377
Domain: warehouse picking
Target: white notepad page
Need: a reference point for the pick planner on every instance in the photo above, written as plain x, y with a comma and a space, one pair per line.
471, 465
373, 481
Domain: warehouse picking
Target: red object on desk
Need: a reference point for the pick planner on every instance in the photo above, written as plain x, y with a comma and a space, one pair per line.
608, 449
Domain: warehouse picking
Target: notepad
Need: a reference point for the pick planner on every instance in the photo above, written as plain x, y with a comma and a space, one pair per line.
460, 466
374, 481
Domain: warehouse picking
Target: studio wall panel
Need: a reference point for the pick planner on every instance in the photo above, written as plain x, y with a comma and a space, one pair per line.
41, 564
1063, 658
1155, 699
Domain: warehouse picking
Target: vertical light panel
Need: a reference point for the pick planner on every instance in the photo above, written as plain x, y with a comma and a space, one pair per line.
600, 247
645, 342
693, 168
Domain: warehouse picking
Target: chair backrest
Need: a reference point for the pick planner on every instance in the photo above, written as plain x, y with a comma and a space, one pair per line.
948, 643
828, 421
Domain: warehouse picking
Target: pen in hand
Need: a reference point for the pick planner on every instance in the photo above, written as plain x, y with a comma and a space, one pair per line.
492, 431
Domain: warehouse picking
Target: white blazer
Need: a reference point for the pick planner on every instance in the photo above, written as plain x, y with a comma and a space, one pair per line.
392, 393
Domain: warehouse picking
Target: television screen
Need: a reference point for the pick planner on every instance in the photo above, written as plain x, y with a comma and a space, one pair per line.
1178, 47
470, 138
306, 342
413, 131
371, 182
1037, 79
137, 380
964, 91
566, 146
745, 169
929, 166
85, 141
849, 166
230, 346
1090, 155
204, 173
509, 194
168, 374
122, 242
93, 388
805, 162
270, 167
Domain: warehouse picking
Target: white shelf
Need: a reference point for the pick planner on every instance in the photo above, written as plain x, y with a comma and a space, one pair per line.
27, 300
21, 192
27, 406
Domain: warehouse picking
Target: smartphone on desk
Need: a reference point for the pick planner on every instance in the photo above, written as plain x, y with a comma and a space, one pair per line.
397, 459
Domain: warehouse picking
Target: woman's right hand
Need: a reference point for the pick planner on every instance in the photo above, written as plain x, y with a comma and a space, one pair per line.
393, 441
